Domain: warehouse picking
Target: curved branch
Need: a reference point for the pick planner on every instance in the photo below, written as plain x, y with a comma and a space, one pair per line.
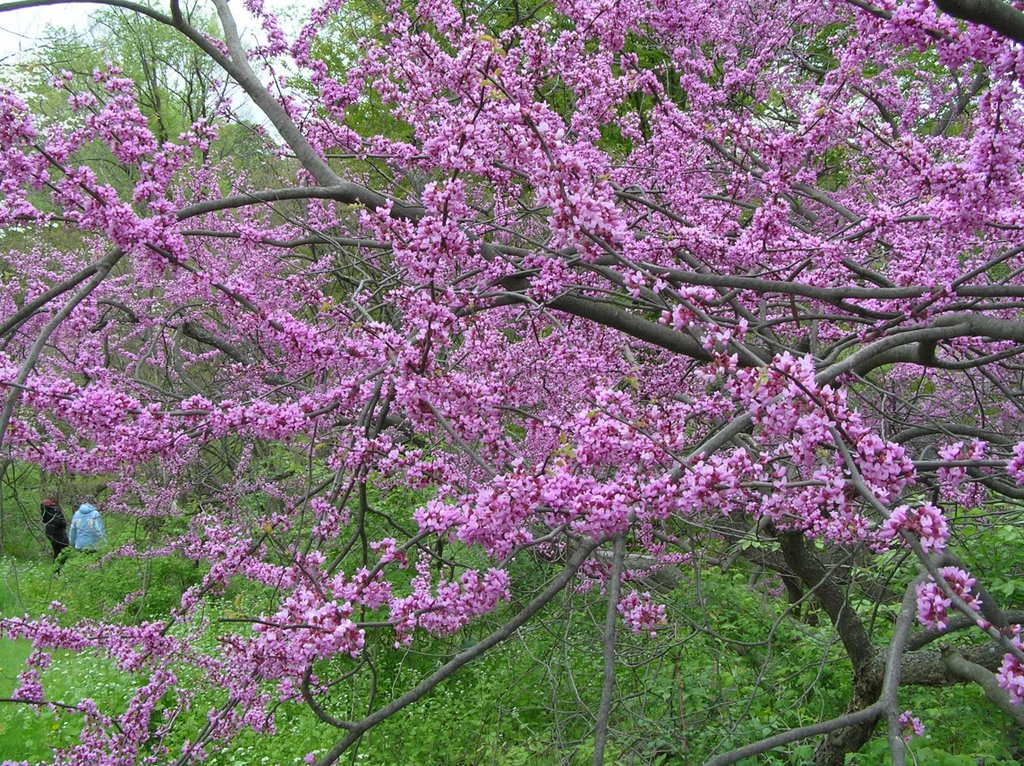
503, 633
953, 624
795, 735
37, 348
340, 191
986, 679
110, 257
994, 14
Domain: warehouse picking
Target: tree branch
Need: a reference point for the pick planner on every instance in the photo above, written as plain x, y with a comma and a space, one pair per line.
986, 679
466, 656
605, 708
994, 14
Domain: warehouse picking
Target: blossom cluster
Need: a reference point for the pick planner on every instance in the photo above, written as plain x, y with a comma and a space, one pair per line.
1010, 675
640, 613
926, 521
933, 604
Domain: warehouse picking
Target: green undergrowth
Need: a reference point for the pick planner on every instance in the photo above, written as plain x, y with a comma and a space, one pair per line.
706, 684
30, 733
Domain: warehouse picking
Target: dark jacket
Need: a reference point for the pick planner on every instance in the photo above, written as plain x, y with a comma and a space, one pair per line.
56, 527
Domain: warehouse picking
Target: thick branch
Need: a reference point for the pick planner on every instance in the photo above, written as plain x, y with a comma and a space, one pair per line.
956, 623
340, 191
631, 324
243, 74
968, 671
808, 567
994, 14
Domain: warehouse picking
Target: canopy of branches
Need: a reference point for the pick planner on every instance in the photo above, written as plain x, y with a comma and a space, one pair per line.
611, 290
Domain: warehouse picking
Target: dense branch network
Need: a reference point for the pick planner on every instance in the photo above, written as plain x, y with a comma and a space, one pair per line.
615, 273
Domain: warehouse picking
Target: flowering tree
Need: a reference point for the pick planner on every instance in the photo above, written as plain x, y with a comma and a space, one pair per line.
609, 272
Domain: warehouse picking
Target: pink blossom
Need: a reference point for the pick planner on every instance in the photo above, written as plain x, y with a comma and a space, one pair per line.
641, 614
911, 724
932, 603
926, 521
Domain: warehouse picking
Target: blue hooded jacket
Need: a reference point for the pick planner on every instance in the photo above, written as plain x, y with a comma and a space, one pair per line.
87, 530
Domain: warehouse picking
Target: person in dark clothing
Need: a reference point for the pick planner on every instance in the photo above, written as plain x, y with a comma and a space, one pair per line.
56, 525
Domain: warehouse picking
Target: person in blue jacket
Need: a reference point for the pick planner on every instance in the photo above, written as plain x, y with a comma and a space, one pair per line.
87, 532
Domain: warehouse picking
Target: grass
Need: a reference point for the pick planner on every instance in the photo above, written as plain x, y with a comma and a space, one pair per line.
30, 733
67, 680
497, 711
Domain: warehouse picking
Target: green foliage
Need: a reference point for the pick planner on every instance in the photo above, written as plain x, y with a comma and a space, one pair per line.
68, 680
994, 551
711, 683
679, 697
987, 752
146, 589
